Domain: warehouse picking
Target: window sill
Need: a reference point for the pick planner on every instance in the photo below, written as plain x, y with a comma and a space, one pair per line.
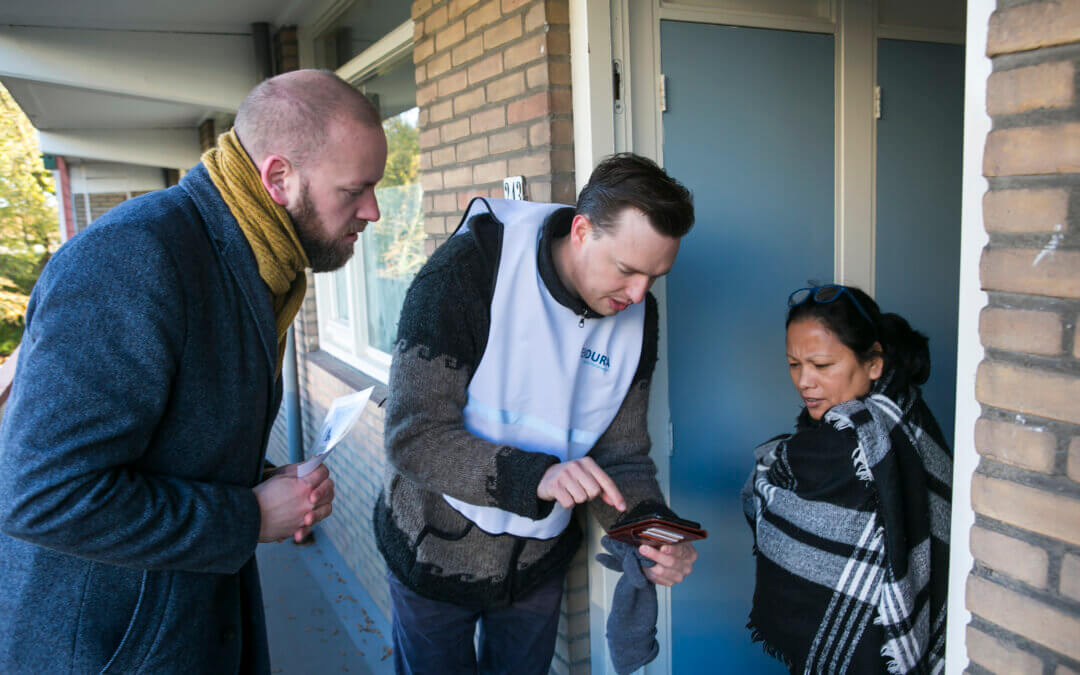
348, 375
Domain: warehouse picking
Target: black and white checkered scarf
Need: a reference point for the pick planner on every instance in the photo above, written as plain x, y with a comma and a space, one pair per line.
851, 524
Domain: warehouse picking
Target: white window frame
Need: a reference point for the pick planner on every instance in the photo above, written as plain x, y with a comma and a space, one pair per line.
349, 340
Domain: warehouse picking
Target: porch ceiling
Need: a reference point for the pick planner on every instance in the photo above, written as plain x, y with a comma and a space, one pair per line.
92, 70
189, 16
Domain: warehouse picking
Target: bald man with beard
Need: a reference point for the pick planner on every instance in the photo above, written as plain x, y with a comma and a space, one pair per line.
133, 444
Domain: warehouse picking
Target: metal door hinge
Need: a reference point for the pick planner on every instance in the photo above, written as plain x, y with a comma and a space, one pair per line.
616, 83
670, 439
663, 92
877, 103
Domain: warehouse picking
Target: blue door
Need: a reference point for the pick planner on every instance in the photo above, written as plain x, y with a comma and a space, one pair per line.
749, 129
919, 155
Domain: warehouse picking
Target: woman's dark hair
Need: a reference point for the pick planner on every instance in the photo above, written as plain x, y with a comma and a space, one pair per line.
905, 351
629, 180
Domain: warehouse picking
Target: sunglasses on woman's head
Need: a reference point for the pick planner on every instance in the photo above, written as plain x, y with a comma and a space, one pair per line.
823, 295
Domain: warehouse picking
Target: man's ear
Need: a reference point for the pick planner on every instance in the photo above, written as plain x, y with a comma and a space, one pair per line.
580, 229
275, 173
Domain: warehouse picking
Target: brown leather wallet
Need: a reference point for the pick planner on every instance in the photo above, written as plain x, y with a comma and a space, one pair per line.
656, 530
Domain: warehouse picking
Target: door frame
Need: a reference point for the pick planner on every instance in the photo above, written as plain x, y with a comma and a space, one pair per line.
600, 33
601, 40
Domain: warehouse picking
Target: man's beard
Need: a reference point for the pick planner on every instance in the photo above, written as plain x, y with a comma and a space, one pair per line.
323, 255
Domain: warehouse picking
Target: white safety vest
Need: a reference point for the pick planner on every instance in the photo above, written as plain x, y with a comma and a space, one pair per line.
545, 383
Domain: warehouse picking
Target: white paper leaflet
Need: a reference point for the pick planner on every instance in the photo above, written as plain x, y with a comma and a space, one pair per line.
343, 414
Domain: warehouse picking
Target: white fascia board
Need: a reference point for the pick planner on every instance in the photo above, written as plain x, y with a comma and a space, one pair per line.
855, 163
969, 352
166, 148
210, 70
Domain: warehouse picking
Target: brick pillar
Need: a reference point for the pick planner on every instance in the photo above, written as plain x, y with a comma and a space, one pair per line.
66, 204
207, 135
1024, 590
493, 86
286, 51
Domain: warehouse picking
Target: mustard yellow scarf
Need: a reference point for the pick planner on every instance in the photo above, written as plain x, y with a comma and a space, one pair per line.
267, 227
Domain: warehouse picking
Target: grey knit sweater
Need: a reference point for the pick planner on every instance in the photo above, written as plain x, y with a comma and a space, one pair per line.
442, 333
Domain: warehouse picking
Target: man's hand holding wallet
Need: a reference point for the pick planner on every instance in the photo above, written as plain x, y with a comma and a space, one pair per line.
664, 539
655, 548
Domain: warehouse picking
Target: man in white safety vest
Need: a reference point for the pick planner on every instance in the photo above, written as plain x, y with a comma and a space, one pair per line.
519, 388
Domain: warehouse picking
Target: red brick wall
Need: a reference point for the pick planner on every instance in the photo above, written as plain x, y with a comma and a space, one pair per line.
66, 204
1024, 591
493, 86
286, 52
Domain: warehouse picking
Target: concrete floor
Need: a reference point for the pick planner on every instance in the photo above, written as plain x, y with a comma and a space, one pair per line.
319, 619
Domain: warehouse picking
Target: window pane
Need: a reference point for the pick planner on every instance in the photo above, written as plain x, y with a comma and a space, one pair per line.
341, 294
392, 256
393, 247
361, 26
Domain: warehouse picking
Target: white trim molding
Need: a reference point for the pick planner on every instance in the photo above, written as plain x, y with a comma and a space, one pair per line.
796, 15
646, 117
969, 351
594, 137
637, 126
916, 34
388, 49
729, 17
348, 340
592, 93
855, 138
325, 14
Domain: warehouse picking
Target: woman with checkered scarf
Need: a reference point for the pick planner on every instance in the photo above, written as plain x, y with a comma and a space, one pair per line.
850, 512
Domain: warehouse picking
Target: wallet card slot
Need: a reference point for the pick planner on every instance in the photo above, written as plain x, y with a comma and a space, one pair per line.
665, 535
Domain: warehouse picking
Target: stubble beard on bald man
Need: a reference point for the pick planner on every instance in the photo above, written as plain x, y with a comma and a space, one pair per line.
323, 255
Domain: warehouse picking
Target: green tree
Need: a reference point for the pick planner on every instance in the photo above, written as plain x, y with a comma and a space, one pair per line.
403, 152
399, 234
28, 218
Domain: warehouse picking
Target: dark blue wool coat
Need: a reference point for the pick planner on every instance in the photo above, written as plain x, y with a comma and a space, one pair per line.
136, 428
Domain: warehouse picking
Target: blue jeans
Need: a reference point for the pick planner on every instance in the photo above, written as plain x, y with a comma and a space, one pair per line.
437, 637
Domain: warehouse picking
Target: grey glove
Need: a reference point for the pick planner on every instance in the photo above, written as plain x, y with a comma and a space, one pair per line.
631, 624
